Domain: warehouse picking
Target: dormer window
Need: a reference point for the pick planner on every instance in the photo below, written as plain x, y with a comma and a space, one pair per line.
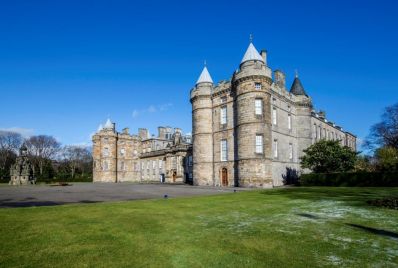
257, 86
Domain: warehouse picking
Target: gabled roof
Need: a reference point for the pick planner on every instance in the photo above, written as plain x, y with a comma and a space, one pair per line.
252, 54
297, 88
108, 124
205, 77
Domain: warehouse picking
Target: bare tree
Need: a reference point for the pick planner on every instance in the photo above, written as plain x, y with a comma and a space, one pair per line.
10, 142
385, 133
42, 148
76, 157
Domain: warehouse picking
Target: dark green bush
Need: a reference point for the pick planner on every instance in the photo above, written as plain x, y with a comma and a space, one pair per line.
357, 179
67, 179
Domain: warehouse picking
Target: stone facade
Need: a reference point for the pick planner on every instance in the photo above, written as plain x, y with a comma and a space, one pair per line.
22, 172
250, 131
123, 157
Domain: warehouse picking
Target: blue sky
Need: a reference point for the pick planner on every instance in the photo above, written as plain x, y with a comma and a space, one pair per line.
66, 65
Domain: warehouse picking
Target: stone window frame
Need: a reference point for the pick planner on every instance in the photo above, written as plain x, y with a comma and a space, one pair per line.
122, 152
259, 144
259, 108
291, 152
105, 151
274, 116
223, 115
275, 148
258, 86
290, 122
224, 150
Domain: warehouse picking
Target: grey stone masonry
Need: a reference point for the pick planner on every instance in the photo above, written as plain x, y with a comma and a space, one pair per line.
251, 131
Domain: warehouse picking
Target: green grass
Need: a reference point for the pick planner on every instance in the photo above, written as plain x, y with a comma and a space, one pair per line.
293, 227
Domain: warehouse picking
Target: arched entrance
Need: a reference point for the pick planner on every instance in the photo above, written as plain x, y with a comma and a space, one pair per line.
224, 177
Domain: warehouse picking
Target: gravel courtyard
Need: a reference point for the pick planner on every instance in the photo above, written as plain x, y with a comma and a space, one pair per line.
44, 195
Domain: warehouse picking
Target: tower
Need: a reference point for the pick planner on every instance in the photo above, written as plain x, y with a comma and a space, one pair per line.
251, 88
202, 130
105, 153
303, 113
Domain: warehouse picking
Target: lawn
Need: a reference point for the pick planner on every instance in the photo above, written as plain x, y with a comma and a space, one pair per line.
291, 227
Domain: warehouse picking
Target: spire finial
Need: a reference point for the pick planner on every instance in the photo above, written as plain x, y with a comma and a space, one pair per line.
296, 73
205, 63
251, 38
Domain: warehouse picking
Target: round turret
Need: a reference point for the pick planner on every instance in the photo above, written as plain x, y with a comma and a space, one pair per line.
202, 132
251, 85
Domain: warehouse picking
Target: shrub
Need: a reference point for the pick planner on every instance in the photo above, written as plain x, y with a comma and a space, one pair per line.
357, 179
77, 178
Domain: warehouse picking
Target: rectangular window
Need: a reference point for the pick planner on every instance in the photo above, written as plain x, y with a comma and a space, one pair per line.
147, 165
224, 150
289, 121
259, 144
223, 99
106, 151
153, 164
290, 151
223, 115
122, 152
174, 162
274, 115
275, 148
258, 106
190, 161
122, 165
258, 86
314, 132
160, 164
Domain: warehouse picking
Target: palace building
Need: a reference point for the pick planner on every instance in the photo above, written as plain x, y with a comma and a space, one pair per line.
248, 131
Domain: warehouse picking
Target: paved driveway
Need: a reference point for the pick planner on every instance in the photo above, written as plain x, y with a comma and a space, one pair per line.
30, 196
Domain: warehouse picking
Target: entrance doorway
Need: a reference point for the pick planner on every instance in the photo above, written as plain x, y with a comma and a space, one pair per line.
224, 177
174, 176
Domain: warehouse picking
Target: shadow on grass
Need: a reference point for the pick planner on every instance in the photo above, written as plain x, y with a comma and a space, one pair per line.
25, 204
351, 196
309, 216
374, 230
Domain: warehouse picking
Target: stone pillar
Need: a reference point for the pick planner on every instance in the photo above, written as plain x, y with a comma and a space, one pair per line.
202, 134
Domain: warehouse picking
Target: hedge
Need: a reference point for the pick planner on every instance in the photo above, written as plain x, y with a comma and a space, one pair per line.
78, 178
358, 179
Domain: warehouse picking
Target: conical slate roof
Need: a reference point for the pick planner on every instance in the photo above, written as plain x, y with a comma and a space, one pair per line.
108, 124
205, 77
252, 54
297, 88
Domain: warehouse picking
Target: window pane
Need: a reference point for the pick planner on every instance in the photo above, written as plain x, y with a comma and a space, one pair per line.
224, 150
259, 144
275, 148
259, 106
223, 115
274, 121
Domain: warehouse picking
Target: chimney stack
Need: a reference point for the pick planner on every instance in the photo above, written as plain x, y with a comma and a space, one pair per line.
264, 56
